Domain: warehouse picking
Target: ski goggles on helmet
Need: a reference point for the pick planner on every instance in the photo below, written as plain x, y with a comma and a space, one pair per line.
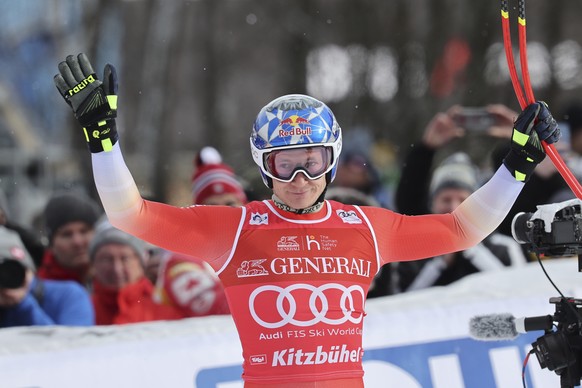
284, 164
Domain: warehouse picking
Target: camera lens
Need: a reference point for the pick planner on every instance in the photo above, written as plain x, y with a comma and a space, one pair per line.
12, 273
520, 227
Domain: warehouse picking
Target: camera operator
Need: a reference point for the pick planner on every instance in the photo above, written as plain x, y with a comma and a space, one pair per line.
26, 300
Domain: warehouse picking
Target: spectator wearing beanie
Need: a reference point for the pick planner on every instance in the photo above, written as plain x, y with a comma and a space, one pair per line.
121, 292
451, 183
26, 300
214, 183
70, 222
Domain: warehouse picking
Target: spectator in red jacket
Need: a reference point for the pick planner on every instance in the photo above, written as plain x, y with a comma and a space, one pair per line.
121, 291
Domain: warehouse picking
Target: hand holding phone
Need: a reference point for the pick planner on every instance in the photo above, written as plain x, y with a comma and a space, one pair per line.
476, 119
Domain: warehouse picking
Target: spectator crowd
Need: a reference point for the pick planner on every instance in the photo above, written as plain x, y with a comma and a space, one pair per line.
81, 271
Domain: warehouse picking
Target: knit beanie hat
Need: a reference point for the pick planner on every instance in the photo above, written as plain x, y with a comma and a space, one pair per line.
212, 177
111, 235
457, 172
12, 248
64, 208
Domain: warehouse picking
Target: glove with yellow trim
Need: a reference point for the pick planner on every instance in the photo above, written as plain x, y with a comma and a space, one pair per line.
534, 124
94, 102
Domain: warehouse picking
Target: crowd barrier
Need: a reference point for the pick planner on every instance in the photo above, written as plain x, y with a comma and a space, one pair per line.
411, 340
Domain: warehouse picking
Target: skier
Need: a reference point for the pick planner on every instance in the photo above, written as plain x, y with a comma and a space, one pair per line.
298, 308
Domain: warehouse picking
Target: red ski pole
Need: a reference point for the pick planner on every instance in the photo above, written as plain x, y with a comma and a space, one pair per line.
528, 97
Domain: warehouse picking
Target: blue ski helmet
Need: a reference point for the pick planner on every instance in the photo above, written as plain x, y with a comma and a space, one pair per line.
295, 121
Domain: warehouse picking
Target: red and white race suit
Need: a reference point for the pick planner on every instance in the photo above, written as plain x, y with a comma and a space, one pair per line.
296, 284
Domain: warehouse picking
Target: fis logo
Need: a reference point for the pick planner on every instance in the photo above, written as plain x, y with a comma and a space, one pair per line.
259, 219
349, 216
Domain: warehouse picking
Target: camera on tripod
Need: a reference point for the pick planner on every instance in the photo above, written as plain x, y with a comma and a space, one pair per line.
560, 348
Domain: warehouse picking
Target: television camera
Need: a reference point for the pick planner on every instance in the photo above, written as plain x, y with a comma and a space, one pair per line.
556, 230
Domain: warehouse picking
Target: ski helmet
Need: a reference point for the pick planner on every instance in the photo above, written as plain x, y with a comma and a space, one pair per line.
295, 121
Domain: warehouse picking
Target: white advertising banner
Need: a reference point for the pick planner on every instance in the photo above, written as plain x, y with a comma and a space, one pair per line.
413, 340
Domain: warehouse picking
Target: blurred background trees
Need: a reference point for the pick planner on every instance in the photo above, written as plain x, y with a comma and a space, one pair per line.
195, 73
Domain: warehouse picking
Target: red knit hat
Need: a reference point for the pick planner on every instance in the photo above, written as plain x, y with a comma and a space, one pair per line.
212, 177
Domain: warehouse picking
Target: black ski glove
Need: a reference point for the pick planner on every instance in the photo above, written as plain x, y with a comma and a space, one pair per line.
94, 102
534, 124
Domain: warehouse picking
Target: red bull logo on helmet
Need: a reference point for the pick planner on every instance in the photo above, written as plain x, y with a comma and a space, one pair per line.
293, 126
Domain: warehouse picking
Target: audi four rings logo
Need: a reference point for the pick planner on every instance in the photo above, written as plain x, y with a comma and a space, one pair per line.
349, 299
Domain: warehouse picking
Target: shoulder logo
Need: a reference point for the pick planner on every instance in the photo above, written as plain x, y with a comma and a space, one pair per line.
250, 268
259, 219
349, 216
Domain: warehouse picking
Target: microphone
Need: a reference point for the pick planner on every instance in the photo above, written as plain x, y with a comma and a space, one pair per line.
500, 327
493, 327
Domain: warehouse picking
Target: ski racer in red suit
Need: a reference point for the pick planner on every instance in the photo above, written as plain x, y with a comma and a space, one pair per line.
296, 268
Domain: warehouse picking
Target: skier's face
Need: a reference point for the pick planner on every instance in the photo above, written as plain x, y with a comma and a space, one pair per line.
301, 192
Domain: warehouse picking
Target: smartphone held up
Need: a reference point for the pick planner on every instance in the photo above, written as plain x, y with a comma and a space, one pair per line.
474, 119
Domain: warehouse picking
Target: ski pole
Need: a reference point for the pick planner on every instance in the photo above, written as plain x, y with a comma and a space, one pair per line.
528, 97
